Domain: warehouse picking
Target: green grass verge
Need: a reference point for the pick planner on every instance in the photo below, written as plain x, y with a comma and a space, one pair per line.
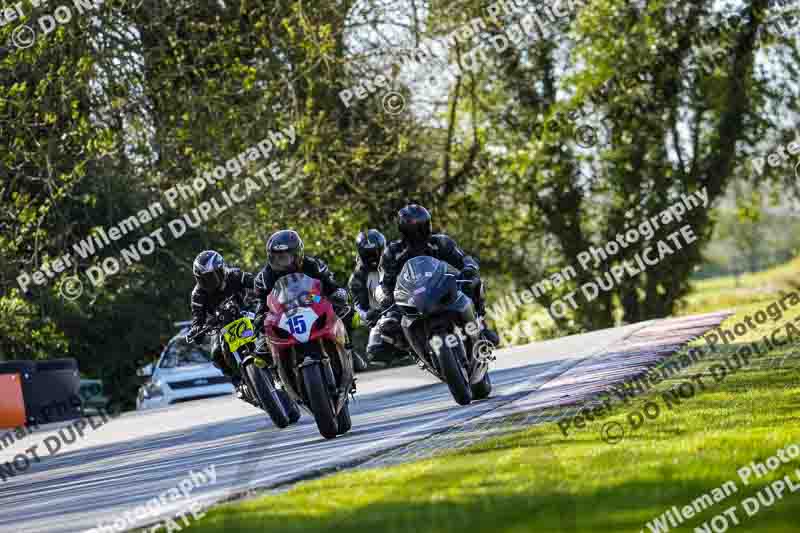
538, 480
729, 291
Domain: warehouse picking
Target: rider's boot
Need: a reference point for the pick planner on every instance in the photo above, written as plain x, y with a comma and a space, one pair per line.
241, 395
237, 385
236, 380
360, 363
486, 332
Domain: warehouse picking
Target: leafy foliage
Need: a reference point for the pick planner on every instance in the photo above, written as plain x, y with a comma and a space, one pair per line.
103, 115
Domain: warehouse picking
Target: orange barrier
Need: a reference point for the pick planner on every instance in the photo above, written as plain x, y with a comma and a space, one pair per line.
12, 404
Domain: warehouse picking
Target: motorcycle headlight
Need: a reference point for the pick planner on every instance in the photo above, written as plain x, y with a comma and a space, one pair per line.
153, 390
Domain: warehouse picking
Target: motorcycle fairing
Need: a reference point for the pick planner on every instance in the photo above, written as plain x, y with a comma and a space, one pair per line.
425, 285
298, 313
238, 333
303, 329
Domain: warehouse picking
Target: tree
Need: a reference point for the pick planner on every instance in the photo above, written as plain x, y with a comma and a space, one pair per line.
672, 118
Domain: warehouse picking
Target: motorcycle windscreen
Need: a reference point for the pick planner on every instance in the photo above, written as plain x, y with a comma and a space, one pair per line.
295, 290
424, 284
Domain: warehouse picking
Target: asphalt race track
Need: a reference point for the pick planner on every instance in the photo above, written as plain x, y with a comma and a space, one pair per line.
139, 455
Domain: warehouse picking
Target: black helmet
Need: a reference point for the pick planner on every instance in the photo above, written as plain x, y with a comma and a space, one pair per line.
370, 246
285, 251
209, 270
414, 222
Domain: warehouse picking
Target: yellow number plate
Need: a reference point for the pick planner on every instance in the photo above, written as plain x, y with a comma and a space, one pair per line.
238, 333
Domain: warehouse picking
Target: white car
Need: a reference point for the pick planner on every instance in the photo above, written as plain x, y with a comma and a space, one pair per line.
182, 373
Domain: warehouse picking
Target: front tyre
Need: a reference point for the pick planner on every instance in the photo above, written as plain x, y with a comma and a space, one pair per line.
267, 395
320, 401
454, 373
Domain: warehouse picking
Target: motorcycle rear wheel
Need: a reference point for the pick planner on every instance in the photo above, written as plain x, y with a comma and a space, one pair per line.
454, 372
291, 408
319, 401
268, 397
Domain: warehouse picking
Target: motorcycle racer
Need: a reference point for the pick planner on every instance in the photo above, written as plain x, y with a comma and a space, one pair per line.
215, 282
365, 278
414, 223
286, 255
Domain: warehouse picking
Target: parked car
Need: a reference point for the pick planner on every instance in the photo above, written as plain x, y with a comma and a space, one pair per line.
182, 373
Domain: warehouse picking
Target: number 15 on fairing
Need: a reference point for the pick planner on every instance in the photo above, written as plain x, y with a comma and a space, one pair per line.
297, 325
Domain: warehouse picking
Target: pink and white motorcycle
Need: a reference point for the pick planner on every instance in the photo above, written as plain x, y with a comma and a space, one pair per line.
307, 339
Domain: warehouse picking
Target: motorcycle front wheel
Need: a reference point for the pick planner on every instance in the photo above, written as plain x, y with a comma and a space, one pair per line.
267, 395
319, 401
454, 373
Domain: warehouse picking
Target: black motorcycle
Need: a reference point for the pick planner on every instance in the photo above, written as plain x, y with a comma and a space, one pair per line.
236, 336
427, 294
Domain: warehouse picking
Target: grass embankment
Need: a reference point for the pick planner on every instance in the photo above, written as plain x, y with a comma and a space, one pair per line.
538, 480
730, 292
